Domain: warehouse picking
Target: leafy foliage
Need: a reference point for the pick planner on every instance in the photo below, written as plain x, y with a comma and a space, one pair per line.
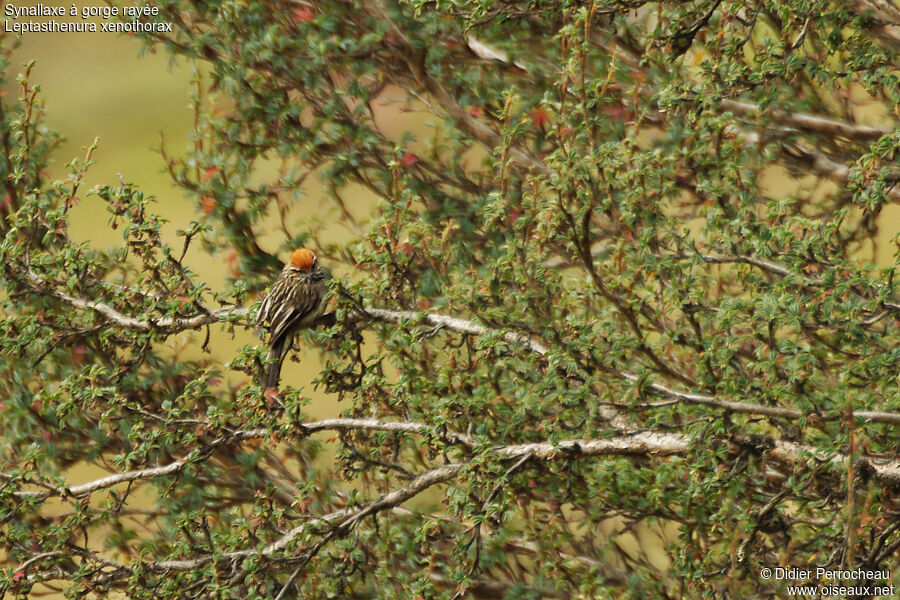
583, 340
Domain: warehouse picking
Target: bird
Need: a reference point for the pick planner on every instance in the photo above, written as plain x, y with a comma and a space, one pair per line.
297, 299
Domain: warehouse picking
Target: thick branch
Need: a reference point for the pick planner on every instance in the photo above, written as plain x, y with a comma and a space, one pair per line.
167, 324
636, 444
809, 122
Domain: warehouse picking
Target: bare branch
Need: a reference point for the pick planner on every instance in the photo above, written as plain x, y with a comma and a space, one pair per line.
90, 487
869, 416
765, 265
460, 325
377, 425
167, 324
808, 122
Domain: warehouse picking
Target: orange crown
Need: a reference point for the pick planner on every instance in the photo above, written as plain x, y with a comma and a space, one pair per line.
303, 259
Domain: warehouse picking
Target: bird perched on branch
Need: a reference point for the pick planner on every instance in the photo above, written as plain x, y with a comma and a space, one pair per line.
295, 302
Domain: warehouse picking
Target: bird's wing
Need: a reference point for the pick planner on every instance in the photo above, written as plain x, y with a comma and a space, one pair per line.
300, 302
264, 316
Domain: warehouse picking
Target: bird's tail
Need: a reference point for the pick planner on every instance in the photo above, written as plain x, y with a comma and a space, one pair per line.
274, 360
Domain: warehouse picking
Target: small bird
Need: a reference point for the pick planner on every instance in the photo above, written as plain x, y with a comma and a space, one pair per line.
296, 301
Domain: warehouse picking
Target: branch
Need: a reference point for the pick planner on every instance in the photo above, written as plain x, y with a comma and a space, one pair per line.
640, 443
167, 324
378, 425
345, 519
104, 482
756, 262
36, 558
90, 487
455, 324
808, 122
869, 416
